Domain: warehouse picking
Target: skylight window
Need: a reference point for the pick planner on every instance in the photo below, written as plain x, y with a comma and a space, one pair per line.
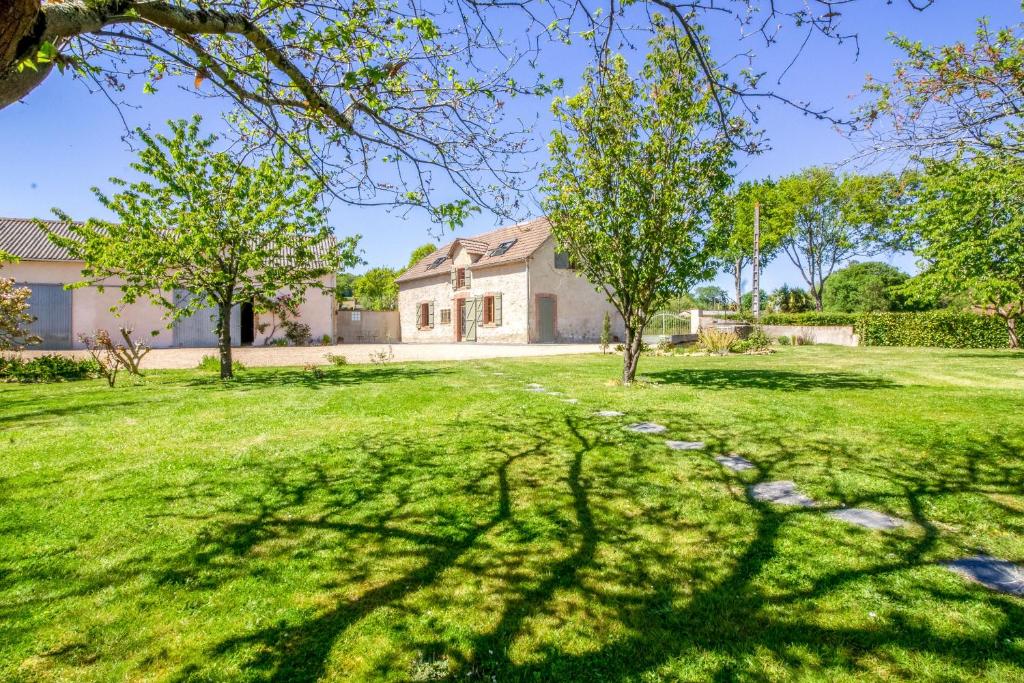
438, 261
502, 248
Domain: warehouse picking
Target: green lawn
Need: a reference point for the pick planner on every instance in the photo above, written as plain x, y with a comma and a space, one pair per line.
407, 522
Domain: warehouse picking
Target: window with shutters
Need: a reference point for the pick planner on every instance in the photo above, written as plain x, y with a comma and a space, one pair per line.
446, 316
424, 320
460, 278
488, 310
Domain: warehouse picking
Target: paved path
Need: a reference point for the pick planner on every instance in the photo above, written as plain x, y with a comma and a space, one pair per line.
262, 356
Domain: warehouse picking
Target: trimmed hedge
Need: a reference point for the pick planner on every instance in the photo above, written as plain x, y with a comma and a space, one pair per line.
808, 318
49, 368
943, 328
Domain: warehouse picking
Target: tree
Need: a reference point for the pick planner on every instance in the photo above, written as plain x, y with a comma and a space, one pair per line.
634, 170
421, 252
206, 224
734, 217
966, 219
710, 297
376, 289
832, 219
14, 315
865, 287
947, 99
343, 286
788, 299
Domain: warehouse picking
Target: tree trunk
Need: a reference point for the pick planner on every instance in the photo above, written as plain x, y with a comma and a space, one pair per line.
22, 25
1011, 327
631, 354
224, 340
816, 293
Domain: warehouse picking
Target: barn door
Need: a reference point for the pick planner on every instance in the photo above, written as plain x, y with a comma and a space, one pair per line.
546, 319
51, 306
470, 309
200, 329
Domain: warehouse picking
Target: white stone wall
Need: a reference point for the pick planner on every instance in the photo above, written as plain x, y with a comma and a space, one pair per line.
509, 280
580, 308
436, 289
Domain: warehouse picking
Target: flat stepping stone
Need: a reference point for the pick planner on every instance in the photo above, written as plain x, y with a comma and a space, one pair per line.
999, 575
571, 400
647, 427
534, 387
870, 519
734, 462
609, 413
554, 393
685, 445
780, 493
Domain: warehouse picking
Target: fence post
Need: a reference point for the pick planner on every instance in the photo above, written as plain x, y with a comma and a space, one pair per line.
694, 320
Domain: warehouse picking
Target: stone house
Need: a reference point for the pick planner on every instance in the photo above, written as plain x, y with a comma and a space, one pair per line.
509, 285
62, 315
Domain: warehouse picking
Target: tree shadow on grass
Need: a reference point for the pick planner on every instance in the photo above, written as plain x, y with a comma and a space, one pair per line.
262, 378
773, 380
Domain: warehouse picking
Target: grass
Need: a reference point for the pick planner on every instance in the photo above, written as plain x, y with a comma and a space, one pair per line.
411, 522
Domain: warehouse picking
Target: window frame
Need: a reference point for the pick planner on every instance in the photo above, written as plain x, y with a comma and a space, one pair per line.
460, 278
446, 316
488, 309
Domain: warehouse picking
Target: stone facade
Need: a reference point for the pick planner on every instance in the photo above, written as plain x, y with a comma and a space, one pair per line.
579, 308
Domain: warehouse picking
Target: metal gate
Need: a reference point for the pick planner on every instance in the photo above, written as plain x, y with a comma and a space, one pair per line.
200, 329
51, 306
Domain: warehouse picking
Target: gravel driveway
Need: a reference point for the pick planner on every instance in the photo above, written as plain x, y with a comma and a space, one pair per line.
261, 356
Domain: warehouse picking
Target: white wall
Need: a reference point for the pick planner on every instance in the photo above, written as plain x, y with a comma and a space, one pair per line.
580, 308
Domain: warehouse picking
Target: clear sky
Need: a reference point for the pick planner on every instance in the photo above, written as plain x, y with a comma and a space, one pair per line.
62, 140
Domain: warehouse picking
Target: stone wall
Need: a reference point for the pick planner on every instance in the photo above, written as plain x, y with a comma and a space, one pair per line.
360, 327
816, 334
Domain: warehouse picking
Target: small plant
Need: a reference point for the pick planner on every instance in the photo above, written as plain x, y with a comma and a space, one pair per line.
314, 370
104, 353
784, 340
606, 332
212, 364
336, 359
325, 340
756, 342
277, 342
665, 347
716, 341
296, 333
385, 355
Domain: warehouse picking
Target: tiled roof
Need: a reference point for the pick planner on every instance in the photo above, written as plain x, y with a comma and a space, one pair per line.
21, 237
528, 236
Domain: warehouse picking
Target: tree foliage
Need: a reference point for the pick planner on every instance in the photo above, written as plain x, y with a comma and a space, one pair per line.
831, 219
420, 253
376, 289
202, 222
863, 287
952, 98
966, 222
734, 217
634, 170
14, 315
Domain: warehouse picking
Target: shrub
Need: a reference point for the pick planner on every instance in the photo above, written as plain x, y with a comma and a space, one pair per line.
325, 340
295, 332
336, 359
756, 341
810, 318
713, 340
784, 340
943, 328
606, 332
314, 370
277, 342
49, 368
212, 364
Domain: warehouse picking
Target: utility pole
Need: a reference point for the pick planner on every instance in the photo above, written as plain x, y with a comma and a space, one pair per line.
756, 280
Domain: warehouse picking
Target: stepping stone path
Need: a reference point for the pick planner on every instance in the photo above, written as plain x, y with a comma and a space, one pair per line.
571, 400
734, 462
609, 413
647, 427
780, 493
685, 445
534, 387
870, 519
554, 393
991, 572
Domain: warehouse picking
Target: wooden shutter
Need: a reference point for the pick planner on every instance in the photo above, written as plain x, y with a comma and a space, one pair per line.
497, 309
478, 304
430, 314
455, 275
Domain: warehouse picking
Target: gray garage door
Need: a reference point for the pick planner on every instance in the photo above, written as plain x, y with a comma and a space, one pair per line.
200, 328
51, 305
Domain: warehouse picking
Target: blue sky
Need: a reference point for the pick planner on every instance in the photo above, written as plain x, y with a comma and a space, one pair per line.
62, 140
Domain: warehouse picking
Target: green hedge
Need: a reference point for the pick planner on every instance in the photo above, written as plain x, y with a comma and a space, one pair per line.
943, 328
808, 318
49, 368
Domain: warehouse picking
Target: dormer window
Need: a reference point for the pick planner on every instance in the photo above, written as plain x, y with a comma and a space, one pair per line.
502, 248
